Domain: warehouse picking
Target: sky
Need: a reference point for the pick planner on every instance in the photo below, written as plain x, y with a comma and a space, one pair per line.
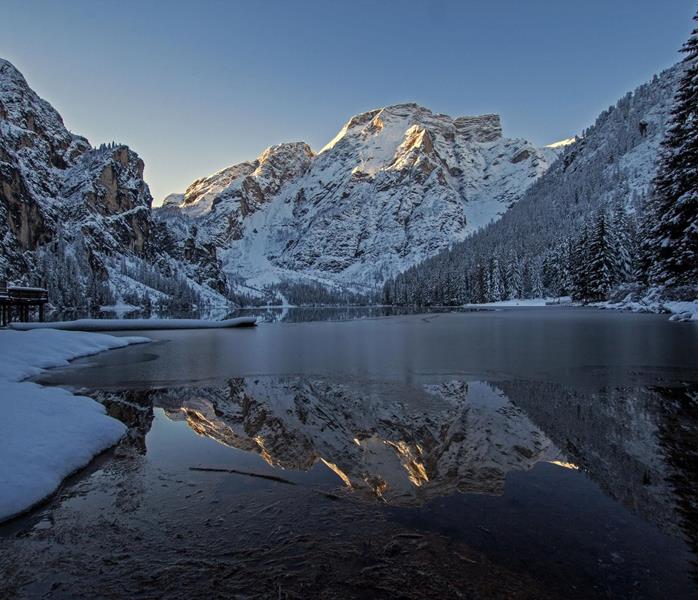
196, 86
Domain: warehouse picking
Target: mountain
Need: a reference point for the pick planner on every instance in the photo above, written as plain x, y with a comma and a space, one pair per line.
395, 186
533, 249
76, 218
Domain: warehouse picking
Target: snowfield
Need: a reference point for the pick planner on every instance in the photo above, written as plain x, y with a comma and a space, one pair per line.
47, 433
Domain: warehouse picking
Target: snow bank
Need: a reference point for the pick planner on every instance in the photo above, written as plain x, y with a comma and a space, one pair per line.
682, 311
47, 433
679, 310
136, 324
527, 302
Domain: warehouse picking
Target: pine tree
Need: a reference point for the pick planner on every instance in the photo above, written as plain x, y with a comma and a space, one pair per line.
673, 235
513, 277
601, 259
537, 287
526, 280
495, 288
579, 273
621, 241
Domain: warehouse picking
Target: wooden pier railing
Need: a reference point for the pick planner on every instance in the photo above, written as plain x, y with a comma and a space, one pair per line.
22, 300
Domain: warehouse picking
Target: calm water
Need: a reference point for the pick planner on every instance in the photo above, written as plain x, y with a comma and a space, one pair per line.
522, 453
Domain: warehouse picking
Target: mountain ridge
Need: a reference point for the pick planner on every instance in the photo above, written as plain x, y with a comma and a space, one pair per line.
395, 187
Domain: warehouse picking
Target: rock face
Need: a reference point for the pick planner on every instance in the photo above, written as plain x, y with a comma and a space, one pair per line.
396, 185
70, 213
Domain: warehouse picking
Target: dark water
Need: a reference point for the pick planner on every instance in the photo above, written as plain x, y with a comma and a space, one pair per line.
523, 453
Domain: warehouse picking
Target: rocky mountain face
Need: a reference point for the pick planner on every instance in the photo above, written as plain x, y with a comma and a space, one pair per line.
74, 217
49, 174
395, 186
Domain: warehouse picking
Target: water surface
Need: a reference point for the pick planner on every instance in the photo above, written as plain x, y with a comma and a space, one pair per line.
522, 453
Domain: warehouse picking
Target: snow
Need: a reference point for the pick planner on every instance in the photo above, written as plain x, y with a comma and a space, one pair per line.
526, 302
682, 311
47, 433
120, 308
135, 324
679, 310
562, 143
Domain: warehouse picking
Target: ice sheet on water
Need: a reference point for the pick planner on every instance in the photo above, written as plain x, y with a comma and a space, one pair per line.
135, 324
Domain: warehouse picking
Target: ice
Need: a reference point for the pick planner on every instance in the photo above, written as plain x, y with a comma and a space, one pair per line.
135, 324
47, 433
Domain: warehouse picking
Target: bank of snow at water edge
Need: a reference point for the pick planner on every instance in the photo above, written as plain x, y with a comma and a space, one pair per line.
680, 310
526, 302
47, 433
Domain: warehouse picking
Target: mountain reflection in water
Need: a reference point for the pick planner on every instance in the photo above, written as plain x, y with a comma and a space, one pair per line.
407, 444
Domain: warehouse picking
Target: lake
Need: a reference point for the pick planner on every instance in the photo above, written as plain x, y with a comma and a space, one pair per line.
517, 453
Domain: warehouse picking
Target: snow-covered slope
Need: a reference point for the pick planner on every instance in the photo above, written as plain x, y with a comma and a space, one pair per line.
395, 186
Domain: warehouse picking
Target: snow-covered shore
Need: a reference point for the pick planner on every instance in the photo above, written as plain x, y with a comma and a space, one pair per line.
525, 302
679, 310
47, 433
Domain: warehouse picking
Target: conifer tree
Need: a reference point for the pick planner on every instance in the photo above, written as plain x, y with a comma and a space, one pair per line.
601, 259
579, 274
621, 240
673, 232
495, 288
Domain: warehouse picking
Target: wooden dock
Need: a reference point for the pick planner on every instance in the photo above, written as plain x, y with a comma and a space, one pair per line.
19, 299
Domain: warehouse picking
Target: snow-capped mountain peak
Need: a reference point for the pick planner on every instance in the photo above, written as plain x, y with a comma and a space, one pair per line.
394, 186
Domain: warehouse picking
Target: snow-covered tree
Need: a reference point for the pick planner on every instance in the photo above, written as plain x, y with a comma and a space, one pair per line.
673, 232
579, 288
600, 261
621, 239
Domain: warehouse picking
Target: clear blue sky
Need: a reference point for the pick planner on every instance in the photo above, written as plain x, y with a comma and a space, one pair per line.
196, 86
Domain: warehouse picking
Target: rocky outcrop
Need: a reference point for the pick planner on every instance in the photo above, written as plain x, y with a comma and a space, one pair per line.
72, 213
